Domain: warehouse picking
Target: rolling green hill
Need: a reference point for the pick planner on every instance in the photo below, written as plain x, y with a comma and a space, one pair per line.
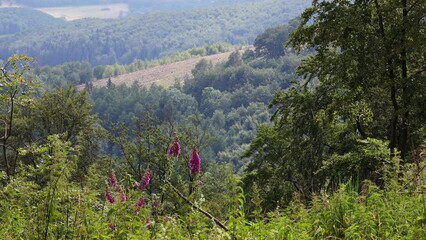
16, 20
136, 5
149, 35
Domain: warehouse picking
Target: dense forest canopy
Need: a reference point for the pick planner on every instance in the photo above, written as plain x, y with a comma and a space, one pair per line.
317, 133
229, 101
363, 92
135, 6
17, 20
148, 35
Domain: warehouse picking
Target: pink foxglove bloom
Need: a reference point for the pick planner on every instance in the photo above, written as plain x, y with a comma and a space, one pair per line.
137, 185
140, 204
111, 226
113, 180
145, 180
166, 218
122, 195
174, 150
108, 196
194, 162
148, 224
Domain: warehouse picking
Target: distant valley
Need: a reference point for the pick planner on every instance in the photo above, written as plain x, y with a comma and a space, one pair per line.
147, 35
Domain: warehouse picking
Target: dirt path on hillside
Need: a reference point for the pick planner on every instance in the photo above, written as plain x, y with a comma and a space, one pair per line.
163, 75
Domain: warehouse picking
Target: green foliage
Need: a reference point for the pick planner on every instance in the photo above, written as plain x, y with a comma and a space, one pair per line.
326, 168
27, 120
45, 200
72, 73
388, 83
149, 35
230, 101
370, 214
375, 214
68, 112
201, 67
20, 20
75, 73
136, 5
271, 43
16, 91
246, 79
287, 156
353, 115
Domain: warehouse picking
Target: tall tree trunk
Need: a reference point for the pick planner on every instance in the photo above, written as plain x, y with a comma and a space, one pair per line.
394, 122
404, 81
8, 131
392, 77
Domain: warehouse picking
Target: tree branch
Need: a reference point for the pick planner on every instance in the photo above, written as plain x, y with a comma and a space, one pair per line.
415, 176
412, 6
219, 223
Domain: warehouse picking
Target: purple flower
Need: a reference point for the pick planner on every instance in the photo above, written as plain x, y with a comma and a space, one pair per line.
174, 150
194, 162
148, 224
113, 180
109, 197
140, 204
111, 226
122, 195
145, 180
137, 185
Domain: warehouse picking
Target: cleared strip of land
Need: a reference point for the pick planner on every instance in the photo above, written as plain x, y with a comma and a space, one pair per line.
91, 11
163, 75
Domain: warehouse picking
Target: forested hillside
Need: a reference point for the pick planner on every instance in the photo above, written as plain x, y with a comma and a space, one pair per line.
135, 5
319, 132
149, 35
226, 102
20, 20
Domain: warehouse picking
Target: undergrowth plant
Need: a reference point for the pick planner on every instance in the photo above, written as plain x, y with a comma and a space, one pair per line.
45, 203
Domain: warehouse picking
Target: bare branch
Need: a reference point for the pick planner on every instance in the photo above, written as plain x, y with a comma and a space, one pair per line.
219, 223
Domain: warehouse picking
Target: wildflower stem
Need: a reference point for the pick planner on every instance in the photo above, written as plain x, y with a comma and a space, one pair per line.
219, 223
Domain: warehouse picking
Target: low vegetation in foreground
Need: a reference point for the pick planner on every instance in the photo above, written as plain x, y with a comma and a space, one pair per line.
46, 203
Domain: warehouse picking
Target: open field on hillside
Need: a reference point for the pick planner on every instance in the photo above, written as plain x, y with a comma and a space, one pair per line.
163, 75
6, 4
90, 11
